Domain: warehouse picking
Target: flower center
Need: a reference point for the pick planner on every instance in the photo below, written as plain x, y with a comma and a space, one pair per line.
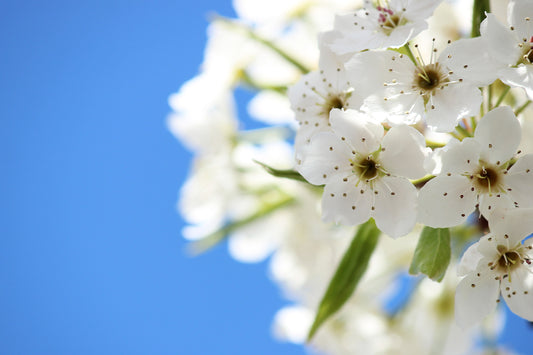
509, 259
368, 168
488, 179
332, 101
389, 20
429, 77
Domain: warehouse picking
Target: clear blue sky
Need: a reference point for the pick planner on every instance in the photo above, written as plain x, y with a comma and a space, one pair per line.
91, 258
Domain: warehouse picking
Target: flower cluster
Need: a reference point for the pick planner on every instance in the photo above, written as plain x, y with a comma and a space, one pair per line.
398, 125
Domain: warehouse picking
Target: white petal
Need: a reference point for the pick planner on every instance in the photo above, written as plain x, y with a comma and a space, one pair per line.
451, 104
417, 9
500, 41
499, 134
469, 260
517, 13
403, 152
470, 60
517, 224
521, 76
461, 158
517, 290
520, 180
395, 205
440, 203
345, 203
361, 134
373, 69
488, 203
473, 303
325, 157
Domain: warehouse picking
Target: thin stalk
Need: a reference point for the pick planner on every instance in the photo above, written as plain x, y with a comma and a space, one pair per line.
216, 237
502, 96
409, 53
522, 108
478, 15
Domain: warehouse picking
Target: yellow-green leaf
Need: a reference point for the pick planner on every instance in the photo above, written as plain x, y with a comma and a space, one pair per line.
432, 253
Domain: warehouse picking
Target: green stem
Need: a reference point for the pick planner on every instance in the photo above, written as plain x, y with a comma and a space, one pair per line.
463, 131
522, 108
216, 237
408, 52
250, 32
478, 15
489, 98
502, 96
249, 81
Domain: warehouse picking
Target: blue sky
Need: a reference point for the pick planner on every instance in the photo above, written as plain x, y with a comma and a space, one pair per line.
91, 258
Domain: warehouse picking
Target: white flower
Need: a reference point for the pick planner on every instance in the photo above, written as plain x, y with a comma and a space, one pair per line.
479, 172
366, 174
406, 93
319, 92
504, 51
498, 263
389, 24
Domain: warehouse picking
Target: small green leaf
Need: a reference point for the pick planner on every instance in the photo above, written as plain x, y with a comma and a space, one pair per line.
432, 253
350, 270
288, 174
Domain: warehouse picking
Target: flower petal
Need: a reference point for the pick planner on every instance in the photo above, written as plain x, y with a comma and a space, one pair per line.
516, 224
403, 152
395, 205
499, 135
469, 260
355, 127
500, 41
517, 290
519, 181
446, 201
469, 59
461, 158
519, 13
325, 157
450, 104
475, 298
521, 76
345, 203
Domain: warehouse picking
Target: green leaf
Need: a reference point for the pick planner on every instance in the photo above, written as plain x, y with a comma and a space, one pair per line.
432, 253
288, 174
350, 270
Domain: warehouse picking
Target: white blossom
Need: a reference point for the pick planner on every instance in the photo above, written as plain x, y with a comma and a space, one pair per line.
479, 172
366, 173
503, 51
499, 263
402, 92
388, 24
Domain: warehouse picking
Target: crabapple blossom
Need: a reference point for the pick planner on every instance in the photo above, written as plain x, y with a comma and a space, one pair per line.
500, 262
388, 24
366, 173
407, 92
